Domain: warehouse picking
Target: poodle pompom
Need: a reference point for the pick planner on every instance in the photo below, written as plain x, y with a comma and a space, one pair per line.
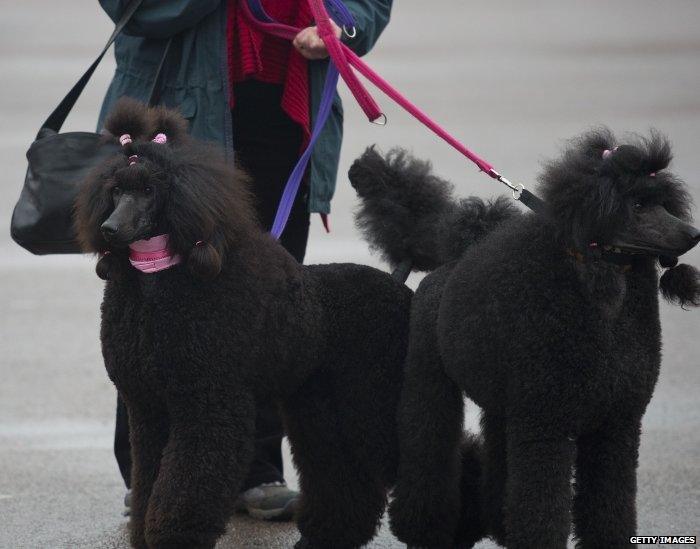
169, 122
403, 204
681, 285
643, 155
205, 261
129, 116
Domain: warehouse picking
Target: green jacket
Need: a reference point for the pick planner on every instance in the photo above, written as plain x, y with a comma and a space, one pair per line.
195, 76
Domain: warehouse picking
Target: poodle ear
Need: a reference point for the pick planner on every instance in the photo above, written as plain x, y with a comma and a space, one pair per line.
581, 199
168, 122
205, 261
92, 207
129, 116
681, 285
207, 210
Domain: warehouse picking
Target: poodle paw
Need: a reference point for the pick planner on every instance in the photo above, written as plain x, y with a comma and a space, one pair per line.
180, 540
137, 538
303, 543
419, 530
306, 543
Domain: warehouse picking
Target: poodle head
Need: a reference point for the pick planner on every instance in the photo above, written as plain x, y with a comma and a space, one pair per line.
621, 198
164, 182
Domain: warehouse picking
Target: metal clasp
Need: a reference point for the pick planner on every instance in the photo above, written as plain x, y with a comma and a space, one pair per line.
517, 188
381, 121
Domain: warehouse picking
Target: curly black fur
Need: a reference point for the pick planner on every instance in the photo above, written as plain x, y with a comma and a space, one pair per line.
409, 213
560, 348
193, 348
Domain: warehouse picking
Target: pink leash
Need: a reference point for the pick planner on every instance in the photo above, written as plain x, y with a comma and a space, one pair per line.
340, 55
345, 60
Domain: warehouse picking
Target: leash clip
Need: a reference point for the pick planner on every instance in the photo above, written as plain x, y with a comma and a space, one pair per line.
518, 191
352, 34
517, 188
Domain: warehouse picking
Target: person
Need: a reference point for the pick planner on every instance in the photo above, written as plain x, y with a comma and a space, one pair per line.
256, 96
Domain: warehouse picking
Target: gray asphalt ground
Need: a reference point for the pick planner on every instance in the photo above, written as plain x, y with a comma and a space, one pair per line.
511, 78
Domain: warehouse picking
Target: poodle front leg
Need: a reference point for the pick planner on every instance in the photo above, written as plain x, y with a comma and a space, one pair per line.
425, 509
538, 490
148, 425
203, 466
606, 485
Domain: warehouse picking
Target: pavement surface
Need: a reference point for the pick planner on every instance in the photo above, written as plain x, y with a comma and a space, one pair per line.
511, 78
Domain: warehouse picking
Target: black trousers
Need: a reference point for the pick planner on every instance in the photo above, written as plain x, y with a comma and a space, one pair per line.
267, 145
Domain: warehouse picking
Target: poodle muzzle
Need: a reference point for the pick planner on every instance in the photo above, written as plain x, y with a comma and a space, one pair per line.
656, 233
129, 221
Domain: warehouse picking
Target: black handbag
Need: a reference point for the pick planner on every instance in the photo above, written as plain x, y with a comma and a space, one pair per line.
42, 221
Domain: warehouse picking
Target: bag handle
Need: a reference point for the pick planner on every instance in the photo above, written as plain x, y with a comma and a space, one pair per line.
56, 119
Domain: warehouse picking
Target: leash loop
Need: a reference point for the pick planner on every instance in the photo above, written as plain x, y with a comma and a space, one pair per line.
349, 34
381, 121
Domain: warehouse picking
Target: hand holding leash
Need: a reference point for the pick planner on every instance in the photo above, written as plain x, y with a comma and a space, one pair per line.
309, 43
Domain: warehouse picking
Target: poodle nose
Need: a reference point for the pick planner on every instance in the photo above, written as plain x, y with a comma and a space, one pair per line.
109, 229
694, 235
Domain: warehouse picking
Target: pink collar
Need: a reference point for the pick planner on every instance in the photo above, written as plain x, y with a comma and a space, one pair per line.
152, 254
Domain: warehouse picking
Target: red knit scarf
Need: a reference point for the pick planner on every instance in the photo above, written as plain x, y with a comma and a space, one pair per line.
257, 56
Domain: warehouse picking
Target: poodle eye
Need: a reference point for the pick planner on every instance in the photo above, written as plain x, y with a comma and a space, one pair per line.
148, 190
638, 206
116, 190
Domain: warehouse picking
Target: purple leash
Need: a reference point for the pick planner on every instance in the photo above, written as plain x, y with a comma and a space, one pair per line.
291, 189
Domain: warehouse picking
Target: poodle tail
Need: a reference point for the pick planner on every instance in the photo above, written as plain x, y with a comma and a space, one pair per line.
411, 216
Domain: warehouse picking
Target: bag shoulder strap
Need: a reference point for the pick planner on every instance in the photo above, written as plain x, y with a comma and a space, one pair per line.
58, 116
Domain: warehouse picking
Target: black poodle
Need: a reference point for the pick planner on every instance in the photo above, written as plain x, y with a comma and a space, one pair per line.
204, 315
549, 322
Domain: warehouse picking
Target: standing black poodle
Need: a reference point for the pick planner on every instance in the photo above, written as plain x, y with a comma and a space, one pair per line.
204, 315
549, 322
